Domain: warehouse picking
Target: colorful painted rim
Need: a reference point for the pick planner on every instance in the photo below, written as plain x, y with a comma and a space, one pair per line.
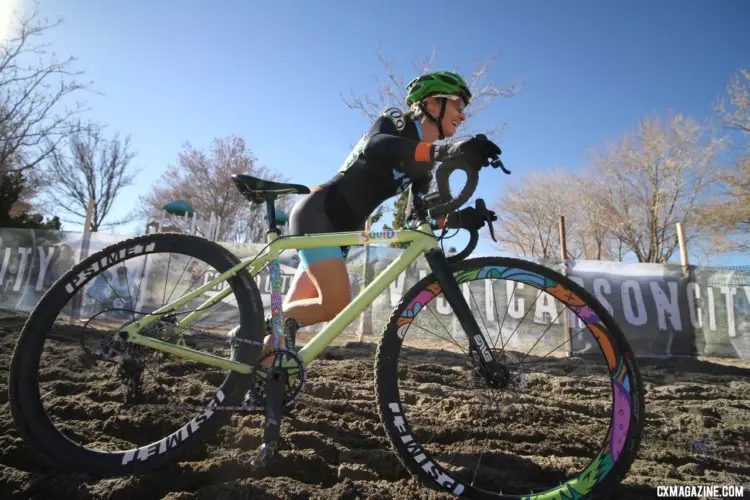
618, 367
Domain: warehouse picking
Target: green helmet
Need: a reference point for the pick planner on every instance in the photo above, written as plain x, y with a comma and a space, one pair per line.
439, 82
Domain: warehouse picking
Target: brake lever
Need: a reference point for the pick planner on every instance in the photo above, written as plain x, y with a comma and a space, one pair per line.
497, 163
487, 216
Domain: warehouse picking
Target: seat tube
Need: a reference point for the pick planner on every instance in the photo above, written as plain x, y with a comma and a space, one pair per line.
274, 277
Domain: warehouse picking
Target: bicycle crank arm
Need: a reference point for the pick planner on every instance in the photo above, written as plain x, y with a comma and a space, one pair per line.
277, 379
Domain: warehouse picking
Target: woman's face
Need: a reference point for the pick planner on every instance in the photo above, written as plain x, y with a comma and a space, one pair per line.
454, 114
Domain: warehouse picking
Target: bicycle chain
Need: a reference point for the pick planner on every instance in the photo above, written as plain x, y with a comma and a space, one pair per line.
162, 326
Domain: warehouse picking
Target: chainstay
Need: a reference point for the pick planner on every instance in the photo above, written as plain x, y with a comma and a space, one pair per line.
203, 333
193, 332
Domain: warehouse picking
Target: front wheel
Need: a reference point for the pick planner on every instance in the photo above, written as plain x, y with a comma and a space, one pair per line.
565, 422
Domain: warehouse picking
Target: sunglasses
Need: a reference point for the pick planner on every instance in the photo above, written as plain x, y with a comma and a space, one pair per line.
459, 102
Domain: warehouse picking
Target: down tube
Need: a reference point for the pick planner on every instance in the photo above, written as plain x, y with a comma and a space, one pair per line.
317, 344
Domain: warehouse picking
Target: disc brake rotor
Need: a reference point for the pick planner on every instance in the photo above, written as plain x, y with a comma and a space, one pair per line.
504, 374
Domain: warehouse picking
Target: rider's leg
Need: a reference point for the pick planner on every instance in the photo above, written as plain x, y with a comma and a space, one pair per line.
320, 291
302, 287
331, 281
321, 279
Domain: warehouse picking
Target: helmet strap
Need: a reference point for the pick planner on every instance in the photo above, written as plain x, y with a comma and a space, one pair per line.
438, 121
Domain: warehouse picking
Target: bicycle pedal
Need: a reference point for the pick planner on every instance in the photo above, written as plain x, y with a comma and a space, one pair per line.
266, 453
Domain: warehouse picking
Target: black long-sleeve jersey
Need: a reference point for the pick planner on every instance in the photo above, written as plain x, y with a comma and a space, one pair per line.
386, 160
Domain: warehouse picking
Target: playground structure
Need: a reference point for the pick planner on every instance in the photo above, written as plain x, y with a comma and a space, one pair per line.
179, 217
188, 223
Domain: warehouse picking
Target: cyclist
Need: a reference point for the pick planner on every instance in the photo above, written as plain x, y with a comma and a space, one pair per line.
397, 151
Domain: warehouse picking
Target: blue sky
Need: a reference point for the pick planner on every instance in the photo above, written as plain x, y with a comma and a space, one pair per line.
273, 72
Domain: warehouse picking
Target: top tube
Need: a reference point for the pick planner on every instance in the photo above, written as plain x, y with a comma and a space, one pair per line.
423, 235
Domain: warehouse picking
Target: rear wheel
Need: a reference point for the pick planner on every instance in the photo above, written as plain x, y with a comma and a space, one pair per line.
83, 400
518, 439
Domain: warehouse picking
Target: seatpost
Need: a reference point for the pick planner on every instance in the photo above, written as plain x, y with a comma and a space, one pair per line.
271, 214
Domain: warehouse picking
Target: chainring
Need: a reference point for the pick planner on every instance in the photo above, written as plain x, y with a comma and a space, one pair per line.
256, 397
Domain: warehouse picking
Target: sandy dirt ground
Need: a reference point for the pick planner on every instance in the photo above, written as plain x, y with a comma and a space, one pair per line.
697, 432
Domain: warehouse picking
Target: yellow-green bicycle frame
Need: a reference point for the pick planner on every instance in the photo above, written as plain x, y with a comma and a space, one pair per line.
420, 241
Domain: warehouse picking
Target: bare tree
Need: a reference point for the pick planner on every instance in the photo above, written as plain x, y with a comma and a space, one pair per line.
529, 217
635, 190
204, 180
589, 235
653, 178
94, 168
728, 216
34, 88
529, 213
736, 114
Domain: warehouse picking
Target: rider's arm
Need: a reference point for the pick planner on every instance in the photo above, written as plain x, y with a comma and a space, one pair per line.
386, 145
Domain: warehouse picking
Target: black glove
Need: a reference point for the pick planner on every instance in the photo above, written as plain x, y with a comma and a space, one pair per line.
466, 218
476, 151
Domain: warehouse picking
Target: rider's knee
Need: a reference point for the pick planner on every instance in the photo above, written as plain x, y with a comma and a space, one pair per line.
329, 313
332, 306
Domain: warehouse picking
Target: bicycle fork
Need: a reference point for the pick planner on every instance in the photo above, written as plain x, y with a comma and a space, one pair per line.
490, 366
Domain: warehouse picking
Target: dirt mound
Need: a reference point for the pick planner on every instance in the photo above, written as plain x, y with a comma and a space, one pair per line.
697, 432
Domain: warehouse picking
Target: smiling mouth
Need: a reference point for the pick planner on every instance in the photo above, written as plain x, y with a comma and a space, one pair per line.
455, 124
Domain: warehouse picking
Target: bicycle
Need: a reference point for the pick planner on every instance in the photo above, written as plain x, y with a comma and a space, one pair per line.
270, 382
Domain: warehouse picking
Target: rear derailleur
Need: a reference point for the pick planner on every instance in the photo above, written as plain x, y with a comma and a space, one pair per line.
130, 366
115, 350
